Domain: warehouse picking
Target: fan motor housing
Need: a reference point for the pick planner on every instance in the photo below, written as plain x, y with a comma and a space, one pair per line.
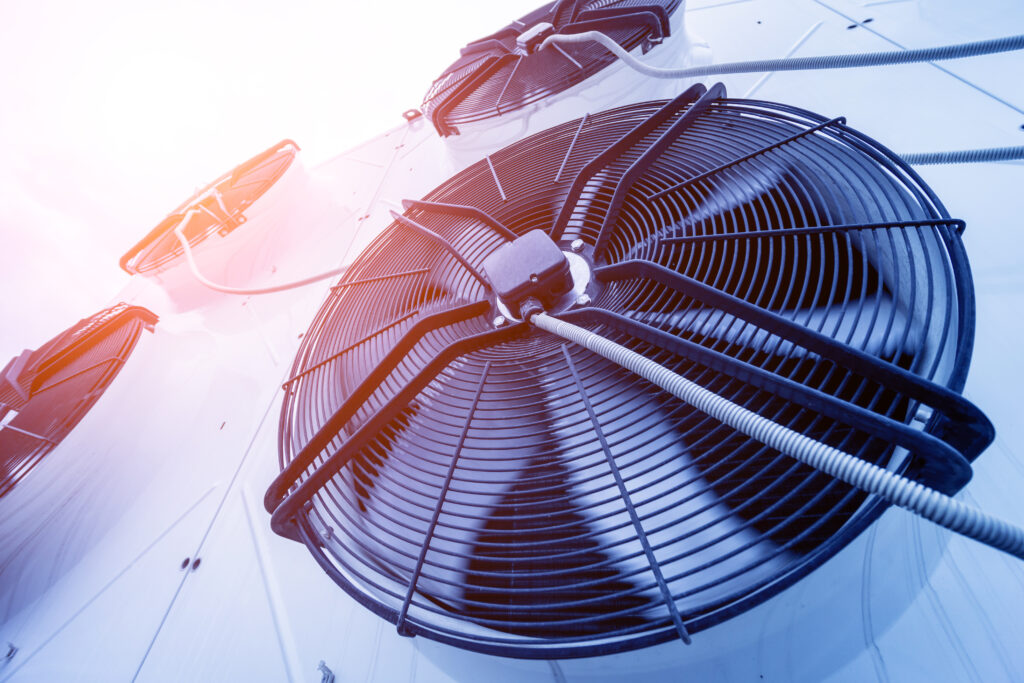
529, 266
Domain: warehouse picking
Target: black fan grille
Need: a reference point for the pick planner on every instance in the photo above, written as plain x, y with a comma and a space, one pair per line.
492, 78
60, 383
237, 190
817, 282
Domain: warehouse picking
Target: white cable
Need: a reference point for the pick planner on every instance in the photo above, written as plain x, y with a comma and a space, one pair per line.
921, 500
179, 233
927, 54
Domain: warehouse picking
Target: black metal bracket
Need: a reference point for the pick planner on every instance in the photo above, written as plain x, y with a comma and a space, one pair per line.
284, 506
838, 121
433, 236
490, 45
959, 422
490, 66
948, 469
461, 210
291, 473
654, 17
638, 167
486, 43
627, 500
616, 150
560, 5
425, 546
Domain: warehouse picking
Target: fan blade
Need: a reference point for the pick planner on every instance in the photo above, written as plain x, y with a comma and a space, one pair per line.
541, 550
414, 460
580, 543
758, 484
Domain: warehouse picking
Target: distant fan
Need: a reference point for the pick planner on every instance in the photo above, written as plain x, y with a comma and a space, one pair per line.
504, 74
233, 225
221, 206
45, 393
437, 458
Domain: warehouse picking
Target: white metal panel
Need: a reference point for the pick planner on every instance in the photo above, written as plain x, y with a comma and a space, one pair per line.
97, 624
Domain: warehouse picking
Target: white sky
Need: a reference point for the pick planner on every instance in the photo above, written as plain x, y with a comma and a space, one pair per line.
113, 111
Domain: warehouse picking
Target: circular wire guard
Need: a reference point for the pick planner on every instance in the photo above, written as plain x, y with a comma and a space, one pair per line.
60, 383
218, 209
493, 77
449, 474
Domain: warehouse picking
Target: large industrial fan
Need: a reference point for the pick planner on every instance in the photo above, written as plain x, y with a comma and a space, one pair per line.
46, 392
478, 481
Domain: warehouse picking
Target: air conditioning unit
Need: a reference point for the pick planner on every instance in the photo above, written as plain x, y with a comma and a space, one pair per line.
504, 87
478, 496
479, 482
240, 229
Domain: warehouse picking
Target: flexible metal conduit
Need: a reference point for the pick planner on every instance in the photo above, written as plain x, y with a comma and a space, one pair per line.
921, 500
965, 156
927, 54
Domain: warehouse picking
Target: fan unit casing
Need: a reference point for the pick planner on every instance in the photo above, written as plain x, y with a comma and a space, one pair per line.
613, 85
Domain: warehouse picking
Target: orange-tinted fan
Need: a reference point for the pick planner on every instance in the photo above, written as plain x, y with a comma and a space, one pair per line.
217, 209
46, 392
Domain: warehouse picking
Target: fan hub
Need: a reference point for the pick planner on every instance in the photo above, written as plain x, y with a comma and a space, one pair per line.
581, 277
530, 266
